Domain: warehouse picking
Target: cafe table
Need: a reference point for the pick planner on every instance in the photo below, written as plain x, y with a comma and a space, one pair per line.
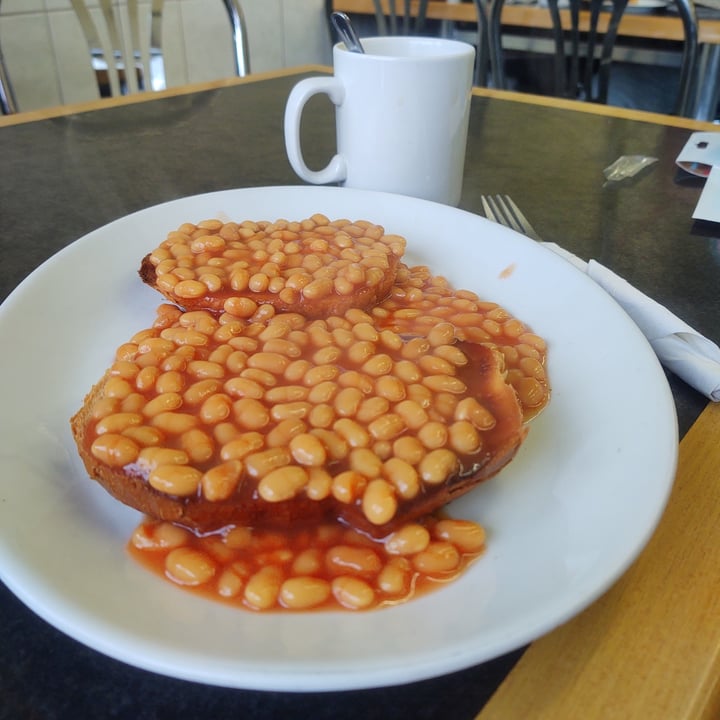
649, 646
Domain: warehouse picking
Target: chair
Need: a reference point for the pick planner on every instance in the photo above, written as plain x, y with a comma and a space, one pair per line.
7, 97
408, 27
482, 57
117, 44
578, 72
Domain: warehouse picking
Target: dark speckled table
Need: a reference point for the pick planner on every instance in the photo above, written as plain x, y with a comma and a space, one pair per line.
62, 176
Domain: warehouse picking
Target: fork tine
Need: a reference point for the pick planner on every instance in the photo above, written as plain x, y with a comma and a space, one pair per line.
525, 226
501, 209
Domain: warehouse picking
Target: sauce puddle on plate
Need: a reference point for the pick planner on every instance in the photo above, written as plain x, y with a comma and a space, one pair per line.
328, 566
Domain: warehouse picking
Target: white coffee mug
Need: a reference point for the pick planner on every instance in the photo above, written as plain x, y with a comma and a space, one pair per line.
402, 111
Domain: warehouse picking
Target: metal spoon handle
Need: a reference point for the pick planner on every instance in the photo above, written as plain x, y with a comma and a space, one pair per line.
347, 32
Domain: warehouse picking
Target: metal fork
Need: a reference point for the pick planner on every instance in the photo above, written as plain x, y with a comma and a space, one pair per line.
501, 209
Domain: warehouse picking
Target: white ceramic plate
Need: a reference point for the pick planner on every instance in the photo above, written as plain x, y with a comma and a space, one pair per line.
565, 519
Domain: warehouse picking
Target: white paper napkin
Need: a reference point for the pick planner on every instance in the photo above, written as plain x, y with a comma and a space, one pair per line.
680, 348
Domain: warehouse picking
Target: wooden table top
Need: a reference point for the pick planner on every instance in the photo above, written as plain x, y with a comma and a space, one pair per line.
647, 648
638, 25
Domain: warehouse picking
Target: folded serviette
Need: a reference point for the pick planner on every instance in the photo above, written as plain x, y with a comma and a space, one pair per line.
680, 348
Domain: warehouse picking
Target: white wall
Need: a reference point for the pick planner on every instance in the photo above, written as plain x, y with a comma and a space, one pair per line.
47, 57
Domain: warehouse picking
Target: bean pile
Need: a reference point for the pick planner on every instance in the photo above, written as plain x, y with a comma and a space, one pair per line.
418, 301
347, 428
323, 567
216, 408
326, 266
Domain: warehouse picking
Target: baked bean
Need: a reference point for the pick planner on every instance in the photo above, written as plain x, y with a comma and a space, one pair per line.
221, 481
169, 382
408, 540
303, 592
391, 388
465, 535
124, 369
319, 485
438, 558
377, 365
433, 365
347, 401
352, 592
229, 584
444, 383
420, 394
198, 445
394, 579
322, 416
159, 536
308, 562
144, 435
438, 465
326, 355
307, 449
352, 432
243, 387
179, 335
379, 502
530, 392
241, 446
403, 476
116, 387
187, 566
114, 450
348, 486
471, 410
335, 444
250, 413
320, 373
353, 560
441, 334
361, 351
180, 480
409, 449
433, 435
355, 379
366, 331
452, 354
285, 431
414, 416
117, 422
286, 394
241, 307
151, 457
372, 408
415, 348
464, 438
162, 403
387, 427
174, 423
259, 464
206, 369
283, 411
262, 589
235, 361
365, 462
200, 390
391, 340
283, 483
322, 392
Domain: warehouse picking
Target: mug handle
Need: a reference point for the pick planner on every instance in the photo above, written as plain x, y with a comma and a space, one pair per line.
336, 170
